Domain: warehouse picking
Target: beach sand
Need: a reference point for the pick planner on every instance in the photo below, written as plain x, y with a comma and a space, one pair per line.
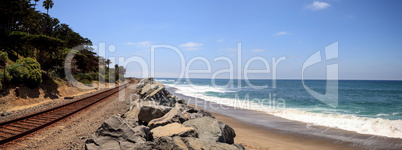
254, 137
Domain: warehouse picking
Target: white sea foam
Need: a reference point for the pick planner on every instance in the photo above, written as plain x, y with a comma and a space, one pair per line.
165, 80
379, 115
196, 89
373, 126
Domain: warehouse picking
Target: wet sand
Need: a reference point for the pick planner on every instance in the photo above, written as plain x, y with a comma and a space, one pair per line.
254, 137
258, 130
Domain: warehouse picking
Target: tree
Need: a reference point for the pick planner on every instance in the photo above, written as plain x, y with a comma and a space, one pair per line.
122, 70
35, 3
48, 4
87, 61
116, 72
26, 71
3, 61
13, 14
108, 62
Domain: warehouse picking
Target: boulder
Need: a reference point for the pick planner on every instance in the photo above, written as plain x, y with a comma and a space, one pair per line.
163, 143
170, 130
149, 112
5, 113
180, 113
144, 82
150, 89
207, 128
145, 111
177, 114
228, 133
154, 91
210, 129
134, 99
199, 144
179, 143
197, 113
115, 133
157, 119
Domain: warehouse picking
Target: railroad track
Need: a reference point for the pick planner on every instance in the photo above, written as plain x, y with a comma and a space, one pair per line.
17, 128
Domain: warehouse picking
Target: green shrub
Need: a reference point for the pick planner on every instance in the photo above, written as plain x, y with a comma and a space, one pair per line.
101, 77
8, 77
85, 81
86, 78
110, 78
56, 72
26, 71
121, 77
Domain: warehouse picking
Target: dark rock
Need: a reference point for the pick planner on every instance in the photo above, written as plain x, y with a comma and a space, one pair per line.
5, 113
132, 122
116, 133
170, 124
144, 82
163, 143
198, 113
145, 111
207, 128
180, 113
240, 146
228, 133
17, 92
210, 129
179, 143
155, 91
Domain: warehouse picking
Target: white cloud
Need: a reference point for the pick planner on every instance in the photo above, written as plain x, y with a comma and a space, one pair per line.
316, 5
140, 44
257, 50
191, 46
282, 33
221, 40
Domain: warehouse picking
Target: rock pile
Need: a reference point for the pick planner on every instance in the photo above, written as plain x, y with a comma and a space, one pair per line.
160, 120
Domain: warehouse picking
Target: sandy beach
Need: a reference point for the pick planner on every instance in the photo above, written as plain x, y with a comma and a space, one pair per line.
254, 137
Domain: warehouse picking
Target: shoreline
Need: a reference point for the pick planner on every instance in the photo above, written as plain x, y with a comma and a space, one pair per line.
254, 137
264, 131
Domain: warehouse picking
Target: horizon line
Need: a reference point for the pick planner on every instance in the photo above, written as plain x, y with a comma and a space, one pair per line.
286, 79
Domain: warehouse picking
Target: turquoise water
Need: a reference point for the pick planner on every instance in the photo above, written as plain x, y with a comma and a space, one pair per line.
363, 106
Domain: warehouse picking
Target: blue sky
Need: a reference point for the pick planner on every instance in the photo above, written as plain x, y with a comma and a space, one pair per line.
369, 34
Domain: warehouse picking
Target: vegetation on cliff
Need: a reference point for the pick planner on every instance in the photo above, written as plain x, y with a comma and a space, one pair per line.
34, 44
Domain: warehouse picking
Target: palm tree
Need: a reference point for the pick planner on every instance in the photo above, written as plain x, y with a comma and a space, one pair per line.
35, 3
108, 62
48, 4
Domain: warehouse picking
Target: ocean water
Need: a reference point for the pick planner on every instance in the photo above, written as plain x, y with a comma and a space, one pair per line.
367, 107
